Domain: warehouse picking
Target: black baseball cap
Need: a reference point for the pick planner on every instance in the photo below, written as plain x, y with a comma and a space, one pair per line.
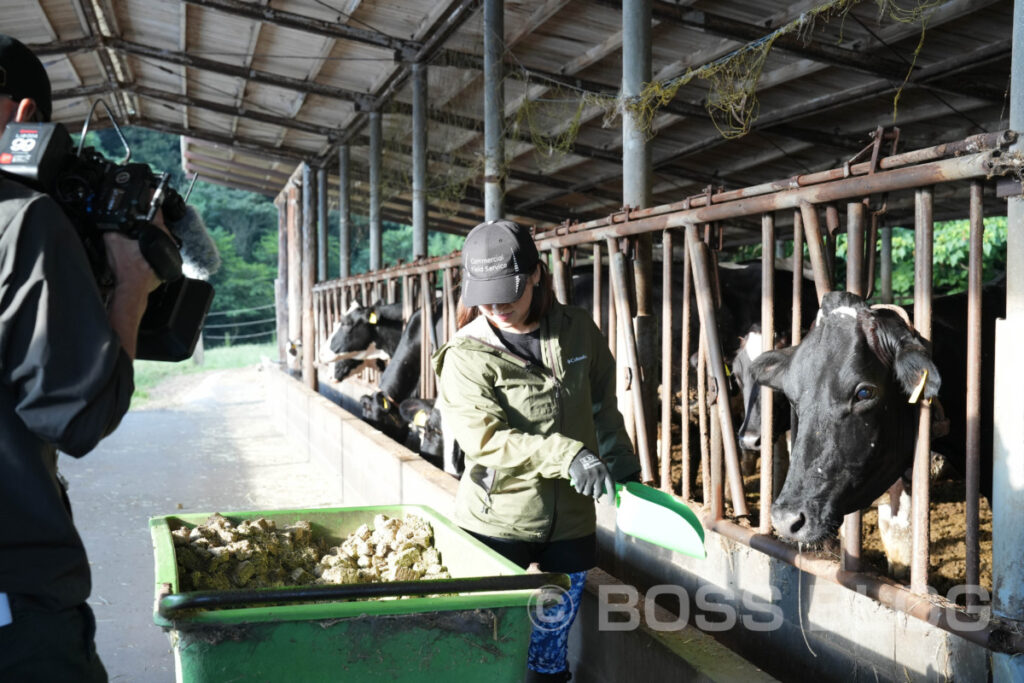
497, 259
23, 75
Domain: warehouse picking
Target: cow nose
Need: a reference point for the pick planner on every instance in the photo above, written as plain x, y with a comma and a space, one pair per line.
750, 442
788, 522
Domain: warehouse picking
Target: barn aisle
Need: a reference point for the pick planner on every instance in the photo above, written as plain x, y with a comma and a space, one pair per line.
204, 443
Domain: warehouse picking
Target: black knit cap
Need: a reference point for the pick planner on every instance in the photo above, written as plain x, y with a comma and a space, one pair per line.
23, 75
497, 259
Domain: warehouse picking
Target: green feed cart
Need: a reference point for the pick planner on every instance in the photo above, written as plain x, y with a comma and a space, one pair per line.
472, 627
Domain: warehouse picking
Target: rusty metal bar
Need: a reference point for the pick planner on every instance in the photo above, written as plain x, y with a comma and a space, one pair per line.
666, 362
709, 331
596, 296
921, 498
715, 448
871, 254
822, 280
855, 211
558, 274
702, 420
977, 145
973, 417
797, 330
991, 634
429, 341
619, 285
684, 392
767, 343
946, 170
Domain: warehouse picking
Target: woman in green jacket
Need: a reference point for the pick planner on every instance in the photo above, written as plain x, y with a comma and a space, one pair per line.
527, 388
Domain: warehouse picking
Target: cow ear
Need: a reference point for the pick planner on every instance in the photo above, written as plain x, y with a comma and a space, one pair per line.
911, 365
411, 406
770, 368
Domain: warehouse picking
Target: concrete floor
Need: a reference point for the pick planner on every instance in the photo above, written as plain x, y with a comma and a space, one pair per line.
204, 444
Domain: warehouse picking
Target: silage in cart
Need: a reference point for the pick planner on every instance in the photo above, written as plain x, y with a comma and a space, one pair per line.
476, 628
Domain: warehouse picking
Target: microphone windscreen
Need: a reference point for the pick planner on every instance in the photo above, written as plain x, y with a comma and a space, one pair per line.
199, 255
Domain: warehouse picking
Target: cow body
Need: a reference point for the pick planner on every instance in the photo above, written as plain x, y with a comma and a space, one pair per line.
849, 383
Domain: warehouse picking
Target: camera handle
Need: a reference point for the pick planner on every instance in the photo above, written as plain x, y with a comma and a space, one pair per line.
159, 250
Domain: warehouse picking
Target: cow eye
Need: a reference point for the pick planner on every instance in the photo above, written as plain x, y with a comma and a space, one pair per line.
865, 393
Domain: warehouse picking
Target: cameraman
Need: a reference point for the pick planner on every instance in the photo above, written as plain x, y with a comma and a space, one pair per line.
66, 380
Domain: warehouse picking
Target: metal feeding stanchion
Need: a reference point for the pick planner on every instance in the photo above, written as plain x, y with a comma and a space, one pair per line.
921, 494
767, 343
665, 453
618, 271
709, 331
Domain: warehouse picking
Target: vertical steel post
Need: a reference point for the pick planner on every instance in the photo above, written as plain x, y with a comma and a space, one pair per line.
321, 224
494, 109
797, 329
636, 193
419, 160
972, 445
294, 277
855, 212
665, 452
1008, 455
767, 344
684, 367
376, 150
345, 213
812, 228
281, 282
921, 494
308, 274
885, 267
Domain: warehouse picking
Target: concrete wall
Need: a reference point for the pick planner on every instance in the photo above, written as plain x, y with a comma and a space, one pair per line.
789, 623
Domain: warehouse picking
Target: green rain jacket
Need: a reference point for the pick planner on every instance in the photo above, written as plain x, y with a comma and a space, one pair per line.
521, 425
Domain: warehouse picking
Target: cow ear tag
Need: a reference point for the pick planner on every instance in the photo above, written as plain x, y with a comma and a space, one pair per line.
420, 418
919, 388
373, 317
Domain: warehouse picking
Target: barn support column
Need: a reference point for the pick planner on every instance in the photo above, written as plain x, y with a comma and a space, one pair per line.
309, 251
419, 160
376, 145
344, 210
494, 109
636, 193
294, 275
321, 224
281, 281
1008, 449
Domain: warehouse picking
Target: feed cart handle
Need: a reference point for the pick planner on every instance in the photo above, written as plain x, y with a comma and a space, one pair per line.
170, 606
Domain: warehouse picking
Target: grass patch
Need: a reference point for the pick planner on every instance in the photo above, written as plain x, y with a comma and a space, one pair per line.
150, 373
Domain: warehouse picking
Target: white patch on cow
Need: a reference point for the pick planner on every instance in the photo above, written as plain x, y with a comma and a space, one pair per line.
753, 345
842, 310
897, 535
371, 352
354, 306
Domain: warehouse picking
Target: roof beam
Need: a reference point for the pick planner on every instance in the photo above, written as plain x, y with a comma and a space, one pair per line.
282, 153
405, 49
266, 78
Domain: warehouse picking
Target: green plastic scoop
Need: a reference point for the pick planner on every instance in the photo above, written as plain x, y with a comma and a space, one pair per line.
658, 518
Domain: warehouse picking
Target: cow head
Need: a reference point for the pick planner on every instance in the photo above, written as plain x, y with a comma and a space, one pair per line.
425, 420
749, 433
848, 383
382, 413
353, 332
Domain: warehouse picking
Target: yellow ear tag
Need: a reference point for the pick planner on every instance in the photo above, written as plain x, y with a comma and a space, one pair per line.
919, 388
728, 372
420, 418
373, 317
384, 404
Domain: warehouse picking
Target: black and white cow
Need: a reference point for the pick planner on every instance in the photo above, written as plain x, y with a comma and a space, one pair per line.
849, 384
437, 446
400, 379
360, 327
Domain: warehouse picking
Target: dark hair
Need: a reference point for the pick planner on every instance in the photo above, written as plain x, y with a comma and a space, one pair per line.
543, 299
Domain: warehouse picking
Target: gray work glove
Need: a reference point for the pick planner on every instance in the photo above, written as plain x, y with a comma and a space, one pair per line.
589, 475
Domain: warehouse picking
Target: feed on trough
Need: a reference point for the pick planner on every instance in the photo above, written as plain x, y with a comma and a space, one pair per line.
220, 555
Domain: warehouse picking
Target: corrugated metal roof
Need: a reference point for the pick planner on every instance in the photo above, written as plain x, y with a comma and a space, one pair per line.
257, 86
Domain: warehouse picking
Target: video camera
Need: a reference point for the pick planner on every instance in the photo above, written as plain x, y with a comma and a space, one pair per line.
101, 196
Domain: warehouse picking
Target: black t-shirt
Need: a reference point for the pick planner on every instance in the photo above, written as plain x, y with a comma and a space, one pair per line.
525, 345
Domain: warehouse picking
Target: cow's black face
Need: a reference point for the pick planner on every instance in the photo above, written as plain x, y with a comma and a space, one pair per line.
848, 385
354, 332
383, 414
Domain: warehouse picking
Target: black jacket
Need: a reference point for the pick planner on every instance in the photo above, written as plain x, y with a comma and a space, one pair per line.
65, 383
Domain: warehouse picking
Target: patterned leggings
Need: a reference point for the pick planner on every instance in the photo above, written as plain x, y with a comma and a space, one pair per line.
549, 641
